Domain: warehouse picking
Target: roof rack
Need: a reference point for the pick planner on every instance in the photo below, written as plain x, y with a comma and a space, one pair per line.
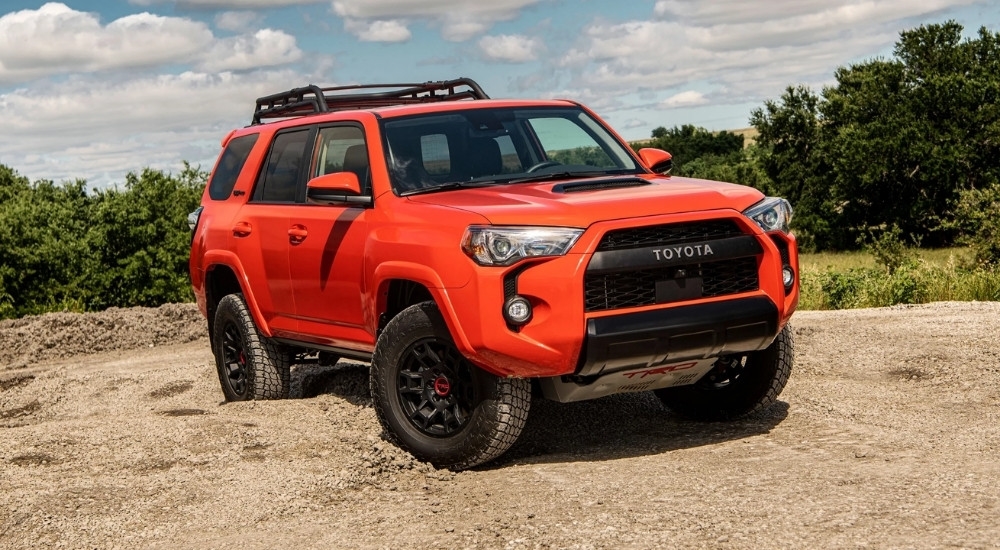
313, 99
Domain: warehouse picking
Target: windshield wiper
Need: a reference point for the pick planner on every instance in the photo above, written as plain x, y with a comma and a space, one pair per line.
446, 187
563, 175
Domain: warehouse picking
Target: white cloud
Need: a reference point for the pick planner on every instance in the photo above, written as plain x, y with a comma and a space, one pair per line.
97, 129
265, 48
459, 20
460, 29
633, 123
237, 21
689, 98
56, 39
593, 98
735, 11
740, 51
511, 48
227, 4
378, 31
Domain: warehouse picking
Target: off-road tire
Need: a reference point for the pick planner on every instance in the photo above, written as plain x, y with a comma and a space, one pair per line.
498, 411
755, 387
264, 364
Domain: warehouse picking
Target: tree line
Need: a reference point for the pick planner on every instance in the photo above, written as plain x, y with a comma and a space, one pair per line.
908, 145
62, 248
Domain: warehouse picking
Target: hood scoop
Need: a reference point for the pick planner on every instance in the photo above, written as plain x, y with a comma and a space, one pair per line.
599, 185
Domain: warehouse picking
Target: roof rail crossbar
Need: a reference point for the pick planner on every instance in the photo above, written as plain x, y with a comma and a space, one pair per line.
313, 99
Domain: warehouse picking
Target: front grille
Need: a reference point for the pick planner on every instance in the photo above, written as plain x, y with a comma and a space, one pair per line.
669, 234
638, 288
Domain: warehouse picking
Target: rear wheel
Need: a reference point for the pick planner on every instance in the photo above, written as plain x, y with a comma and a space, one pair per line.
437, 405
738, 385
250, 365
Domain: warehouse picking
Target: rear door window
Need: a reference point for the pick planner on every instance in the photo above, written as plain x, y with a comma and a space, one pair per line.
279, 181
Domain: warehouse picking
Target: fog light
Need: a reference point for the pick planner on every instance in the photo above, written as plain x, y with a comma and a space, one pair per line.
787, 277
517, 310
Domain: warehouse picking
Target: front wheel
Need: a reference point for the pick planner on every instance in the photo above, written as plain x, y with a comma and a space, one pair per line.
437, 405
738, 385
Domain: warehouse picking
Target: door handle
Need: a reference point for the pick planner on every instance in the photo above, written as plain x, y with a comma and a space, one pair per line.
241, 229
297, 234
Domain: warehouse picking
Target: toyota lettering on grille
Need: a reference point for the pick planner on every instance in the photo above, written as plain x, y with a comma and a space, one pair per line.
665, 255
693, 251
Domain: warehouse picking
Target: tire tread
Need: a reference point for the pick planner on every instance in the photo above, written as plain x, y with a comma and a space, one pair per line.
269, 365
493, 429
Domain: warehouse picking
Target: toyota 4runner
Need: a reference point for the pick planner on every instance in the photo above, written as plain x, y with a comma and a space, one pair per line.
477, 251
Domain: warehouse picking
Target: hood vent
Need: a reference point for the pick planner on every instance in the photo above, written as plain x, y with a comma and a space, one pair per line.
599, 185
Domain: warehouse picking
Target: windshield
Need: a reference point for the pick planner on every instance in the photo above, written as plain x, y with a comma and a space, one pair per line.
478, 147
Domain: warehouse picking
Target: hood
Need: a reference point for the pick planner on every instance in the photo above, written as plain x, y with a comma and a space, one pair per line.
549, 203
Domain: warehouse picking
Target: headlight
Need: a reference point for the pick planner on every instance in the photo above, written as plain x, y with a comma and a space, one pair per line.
496, 245
771, 214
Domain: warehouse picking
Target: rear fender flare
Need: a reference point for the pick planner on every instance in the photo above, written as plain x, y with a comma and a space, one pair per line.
228, 259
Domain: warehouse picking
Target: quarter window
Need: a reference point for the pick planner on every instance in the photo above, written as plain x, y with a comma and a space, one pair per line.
230, 164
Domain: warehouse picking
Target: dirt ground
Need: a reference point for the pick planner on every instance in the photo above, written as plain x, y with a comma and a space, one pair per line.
113, 434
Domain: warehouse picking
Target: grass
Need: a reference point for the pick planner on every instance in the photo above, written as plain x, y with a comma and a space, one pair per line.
842, 261
856, 279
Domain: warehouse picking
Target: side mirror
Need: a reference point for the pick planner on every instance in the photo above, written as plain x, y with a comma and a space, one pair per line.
336, 188
657, 160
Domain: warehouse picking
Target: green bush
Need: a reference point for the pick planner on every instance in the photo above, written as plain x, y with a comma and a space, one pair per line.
978, 212
914, 282
62, 249
888, 249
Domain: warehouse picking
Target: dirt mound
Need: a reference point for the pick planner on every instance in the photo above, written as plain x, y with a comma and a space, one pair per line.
53, 336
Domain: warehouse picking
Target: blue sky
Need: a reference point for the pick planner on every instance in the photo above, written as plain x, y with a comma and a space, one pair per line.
94, 89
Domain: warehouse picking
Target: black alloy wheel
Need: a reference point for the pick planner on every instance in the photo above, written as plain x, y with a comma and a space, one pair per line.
436, 387
234, 357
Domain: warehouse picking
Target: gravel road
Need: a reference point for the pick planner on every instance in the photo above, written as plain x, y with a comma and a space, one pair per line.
113, 434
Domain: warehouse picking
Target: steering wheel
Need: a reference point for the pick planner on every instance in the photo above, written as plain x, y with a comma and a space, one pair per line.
543, 164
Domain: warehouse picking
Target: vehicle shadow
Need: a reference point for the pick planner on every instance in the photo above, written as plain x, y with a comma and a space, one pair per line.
617, 426
622, 426
347, 380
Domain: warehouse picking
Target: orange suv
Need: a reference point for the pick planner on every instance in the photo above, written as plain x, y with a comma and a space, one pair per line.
477, 251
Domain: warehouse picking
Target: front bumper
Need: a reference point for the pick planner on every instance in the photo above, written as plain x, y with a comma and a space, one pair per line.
660, 336
565, 338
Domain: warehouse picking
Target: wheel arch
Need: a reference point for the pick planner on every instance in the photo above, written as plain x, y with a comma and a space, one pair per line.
400, 285
223, 277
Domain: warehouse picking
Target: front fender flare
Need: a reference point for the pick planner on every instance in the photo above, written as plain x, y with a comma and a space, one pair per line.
430, 279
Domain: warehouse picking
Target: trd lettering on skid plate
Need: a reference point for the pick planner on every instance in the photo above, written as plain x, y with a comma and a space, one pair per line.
659, 370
